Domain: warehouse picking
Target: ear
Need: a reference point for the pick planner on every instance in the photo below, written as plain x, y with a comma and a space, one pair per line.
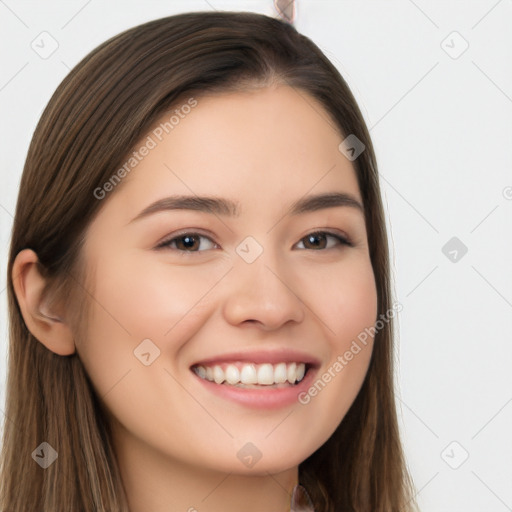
46, 326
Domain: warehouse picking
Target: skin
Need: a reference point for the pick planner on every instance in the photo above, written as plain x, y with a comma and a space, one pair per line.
177, 442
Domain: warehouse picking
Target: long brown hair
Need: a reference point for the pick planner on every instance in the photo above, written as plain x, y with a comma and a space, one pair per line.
106, 104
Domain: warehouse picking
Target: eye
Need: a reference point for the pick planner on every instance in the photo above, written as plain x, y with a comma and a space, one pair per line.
318, 239
185, 242
189, 242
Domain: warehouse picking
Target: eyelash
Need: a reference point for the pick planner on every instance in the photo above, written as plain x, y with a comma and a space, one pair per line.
166, 243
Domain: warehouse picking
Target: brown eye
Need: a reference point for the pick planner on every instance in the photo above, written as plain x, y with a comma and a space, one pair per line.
185, 242
318, 240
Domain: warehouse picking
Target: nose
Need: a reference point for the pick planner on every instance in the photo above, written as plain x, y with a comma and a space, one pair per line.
262, 293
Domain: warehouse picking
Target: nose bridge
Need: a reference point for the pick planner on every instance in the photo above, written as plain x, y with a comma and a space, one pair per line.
260, 289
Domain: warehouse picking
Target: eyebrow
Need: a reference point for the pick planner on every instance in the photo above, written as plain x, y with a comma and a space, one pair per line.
227, 207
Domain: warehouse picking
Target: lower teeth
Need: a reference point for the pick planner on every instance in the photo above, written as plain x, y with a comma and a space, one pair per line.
259, 386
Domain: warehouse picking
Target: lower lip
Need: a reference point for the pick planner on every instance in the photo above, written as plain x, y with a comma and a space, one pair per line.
264, 398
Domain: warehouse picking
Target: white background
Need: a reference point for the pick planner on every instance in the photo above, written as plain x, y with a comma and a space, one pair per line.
442, 131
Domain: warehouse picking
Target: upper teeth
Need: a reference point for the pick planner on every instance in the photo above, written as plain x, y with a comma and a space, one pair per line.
250, 373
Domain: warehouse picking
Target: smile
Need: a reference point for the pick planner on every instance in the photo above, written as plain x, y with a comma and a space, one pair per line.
259, 379
244, 374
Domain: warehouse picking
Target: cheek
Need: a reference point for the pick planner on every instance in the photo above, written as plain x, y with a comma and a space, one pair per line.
348, 309
151, 300
134, 301
353, 313
343, 298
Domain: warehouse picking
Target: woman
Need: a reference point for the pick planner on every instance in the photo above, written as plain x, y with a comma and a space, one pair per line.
199, 287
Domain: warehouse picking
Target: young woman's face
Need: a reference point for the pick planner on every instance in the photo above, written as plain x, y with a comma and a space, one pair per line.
252, 295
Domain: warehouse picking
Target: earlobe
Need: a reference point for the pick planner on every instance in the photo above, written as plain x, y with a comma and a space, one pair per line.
46, 325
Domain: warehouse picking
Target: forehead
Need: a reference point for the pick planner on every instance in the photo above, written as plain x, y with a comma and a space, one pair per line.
259, 145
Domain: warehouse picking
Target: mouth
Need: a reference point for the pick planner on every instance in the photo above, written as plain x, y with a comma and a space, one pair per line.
268, 379
252, 375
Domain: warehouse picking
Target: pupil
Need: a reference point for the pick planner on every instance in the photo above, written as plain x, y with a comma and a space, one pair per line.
188, 241
313, 237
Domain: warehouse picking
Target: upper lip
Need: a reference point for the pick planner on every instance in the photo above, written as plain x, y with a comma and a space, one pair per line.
262, 356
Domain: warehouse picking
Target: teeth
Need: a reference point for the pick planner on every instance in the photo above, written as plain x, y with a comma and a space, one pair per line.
249, 373
232, 374
218, 375
201, 371
292, 373
301, 370
280, 373
266, 374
